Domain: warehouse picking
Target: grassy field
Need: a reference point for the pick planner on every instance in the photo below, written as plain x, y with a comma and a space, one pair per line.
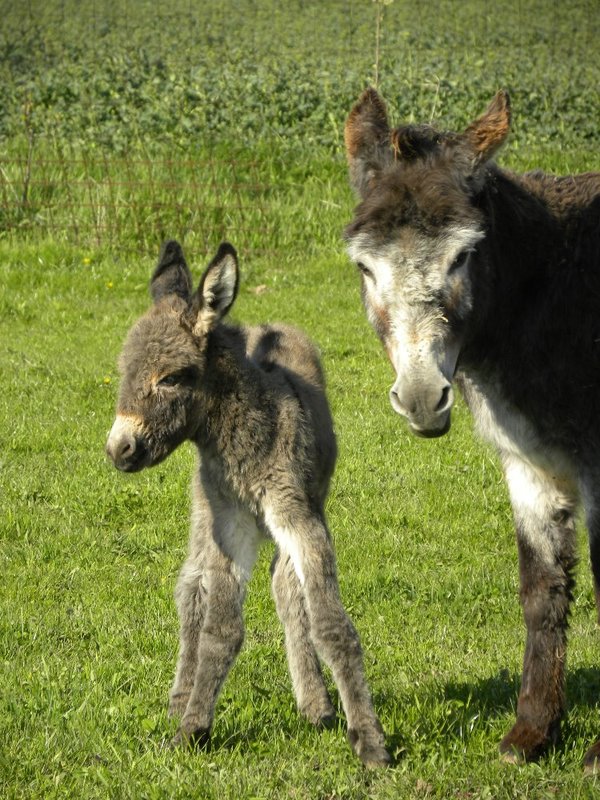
122, 123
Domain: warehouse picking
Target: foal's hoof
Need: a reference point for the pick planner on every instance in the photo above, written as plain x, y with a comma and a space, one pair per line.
321, 714
524, 743
368, 746
591, 761
326, 722
198, 739
178, 704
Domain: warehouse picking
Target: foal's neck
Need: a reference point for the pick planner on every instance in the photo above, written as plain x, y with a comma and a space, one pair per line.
236, 402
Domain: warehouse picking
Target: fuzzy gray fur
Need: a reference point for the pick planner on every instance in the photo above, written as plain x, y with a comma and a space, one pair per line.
253, 402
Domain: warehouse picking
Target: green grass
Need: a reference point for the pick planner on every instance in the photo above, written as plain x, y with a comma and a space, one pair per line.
423, 530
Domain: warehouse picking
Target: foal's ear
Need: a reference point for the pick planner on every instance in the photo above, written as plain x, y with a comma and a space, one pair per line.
218, 288
171, 276
487, 133
367, 138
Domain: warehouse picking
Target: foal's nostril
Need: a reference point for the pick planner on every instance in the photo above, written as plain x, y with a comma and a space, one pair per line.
124, 451
127, 448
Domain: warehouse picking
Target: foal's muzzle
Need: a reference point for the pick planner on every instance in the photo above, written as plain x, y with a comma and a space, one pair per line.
126, 448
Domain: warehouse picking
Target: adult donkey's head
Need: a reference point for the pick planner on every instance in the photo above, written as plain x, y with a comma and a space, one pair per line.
162, 364
414, 238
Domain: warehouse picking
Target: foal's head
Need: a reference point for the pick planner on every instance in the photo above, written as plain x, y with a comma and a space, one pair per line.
414, 238
162, 364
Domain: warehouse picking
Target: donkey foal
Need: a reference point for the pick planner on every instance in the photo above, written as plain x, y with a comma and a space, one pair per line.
253, 402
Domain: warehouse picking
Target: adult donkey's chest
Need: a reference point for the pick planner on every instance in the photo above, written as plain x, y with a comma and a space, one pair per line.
512, 432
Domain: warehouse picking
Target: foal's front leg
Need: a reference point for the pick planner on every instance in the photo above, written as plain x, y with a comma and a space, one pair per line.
226, 548
544, 516
190, 598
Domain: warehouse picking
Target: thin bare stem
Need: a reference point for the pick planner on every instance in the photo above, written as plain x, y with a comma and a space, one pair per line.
378, 16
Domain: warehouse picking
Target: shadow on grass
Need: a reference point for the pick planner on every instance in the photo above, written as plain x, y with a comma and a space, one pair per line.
488, 698
449, 713
496, 695
492, 696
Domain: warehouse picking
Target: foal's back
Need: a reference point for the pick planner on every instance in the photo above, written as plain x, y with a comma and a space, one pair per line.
292, 362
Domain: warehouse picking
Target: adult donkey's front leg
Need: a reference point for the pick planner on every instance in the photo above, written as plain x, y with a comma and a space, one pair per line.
544, 516
591, 760
303, 537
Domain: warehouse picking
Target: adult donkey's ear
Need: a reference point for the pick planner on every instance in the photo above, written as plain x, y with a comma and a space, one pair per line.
172, 275
218, 288
488, 132
367, 138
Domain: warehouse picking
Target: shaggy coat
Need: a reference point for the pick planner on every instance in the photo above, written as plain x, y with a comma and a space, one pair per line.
253, 402
488, 280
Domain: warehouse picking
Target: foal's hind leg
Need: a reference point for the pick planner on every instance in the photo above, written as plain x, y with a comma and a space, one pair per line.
544, 516
305, 670
304, 538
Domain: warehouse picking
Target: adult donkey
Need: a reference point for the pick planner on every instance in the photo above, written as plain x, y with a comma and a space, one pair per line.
252, 400
491, 280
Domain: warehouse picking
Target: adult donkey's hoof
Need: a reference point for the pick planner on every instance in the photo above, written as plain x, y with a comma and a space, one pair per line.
524, 742
369, 747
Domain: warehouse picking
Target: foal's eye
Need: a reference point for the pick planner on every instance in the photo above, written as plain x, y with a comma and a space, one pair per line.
364, 270
169, 380
460, 261
187, 375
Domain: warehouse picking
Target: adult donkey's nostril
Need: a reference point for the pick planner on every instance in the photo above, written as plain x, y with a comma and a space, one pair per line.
395, 401
445, 400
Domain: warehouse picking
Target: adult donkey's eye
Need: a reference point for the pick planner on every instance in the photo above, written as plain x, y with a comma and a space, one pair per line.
169, 380
460, 261
364, 270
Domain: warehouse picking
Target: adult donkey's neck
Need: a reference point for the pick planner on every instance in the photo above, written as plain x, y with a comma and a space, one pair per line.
520, 250
523, 232
535, 330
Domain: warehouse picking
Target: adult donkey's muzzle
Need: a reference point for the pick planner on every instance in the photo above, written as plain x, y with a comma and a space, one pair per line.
426, 407
425, 369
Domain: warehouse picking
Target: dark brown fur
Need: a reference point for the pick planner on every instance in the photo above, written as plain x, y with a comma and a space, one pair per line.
514, 320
